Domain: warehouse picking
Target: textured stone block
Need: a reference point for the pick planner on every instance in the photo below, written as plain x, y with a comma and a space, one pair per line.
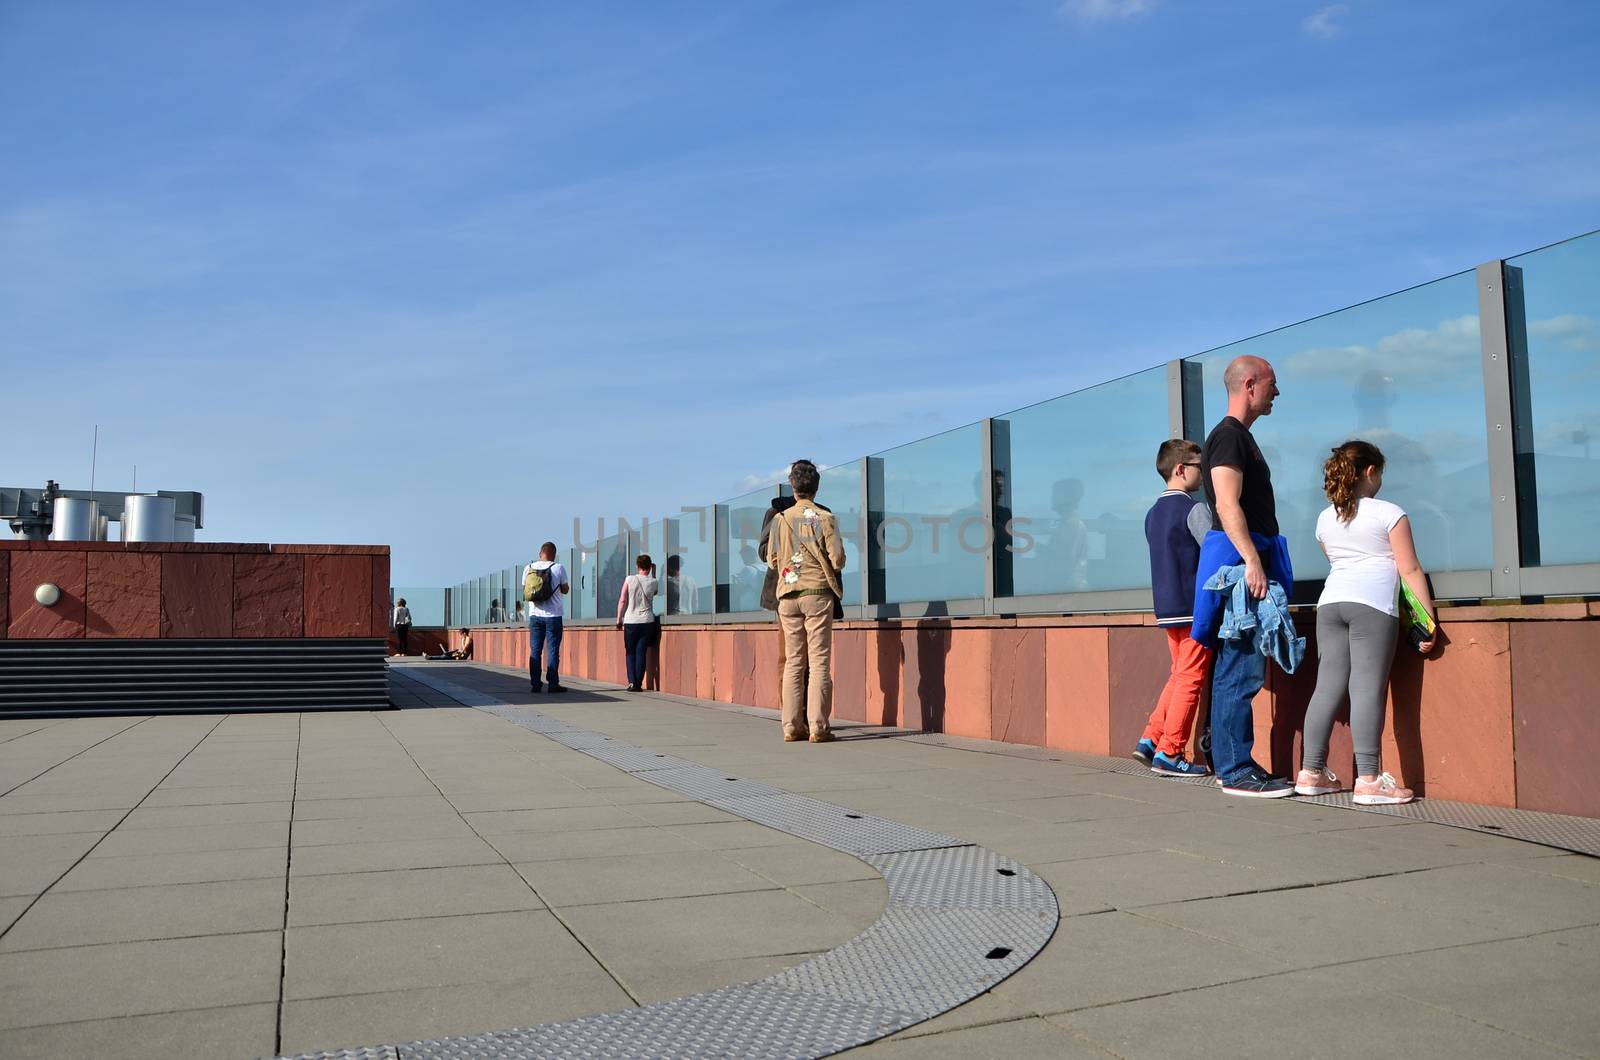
269, 596
722, 664
1017, 686
1077, 690
745, 681
381, 610
1448, 728
1555, 669
5, 591
196, 594
885, 675
850, 674
124, 595
30, 620
1138, 662
704, 664
338, 596
924, 692
766, 690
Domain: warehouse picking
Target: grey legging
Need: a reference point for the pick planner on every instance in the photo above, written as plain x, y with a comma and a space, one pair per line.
1355, 645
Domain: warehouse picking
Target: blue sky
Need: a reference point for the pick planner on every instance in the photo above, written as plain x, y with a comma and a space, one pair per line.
445, 276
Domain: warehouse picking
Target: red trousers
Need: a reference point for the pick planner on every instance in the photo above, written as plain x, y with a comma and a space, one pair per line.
1173, 717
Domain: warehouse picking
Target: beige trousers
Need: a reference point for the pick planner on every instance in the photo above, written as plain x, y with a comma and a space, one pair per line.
807, 623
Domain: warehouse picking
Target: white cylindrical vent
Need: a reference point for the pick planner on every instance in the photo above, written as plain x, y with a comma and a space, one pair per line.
102, 528
74, 519
183, 528
147, 517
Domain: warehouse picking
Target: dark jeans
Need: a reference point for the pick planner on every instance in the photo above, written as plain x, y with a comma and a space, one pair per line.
402, 634
1236, 677
542, 631
636, 640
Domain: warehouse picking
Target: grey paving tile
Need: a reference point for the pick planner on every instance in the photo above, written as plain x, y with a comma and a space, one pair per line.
222, 793
87, 918
410, 954
242, 1030
735, 835
244, 836
396, 806
1500, 896
206, 866
1539, 987
350, 898
665, 982
633, 937
130, 978
637, 877
399, 854
1474, 846
790, 866
379, 830
1031, 1037
11, 909
29, 864
437, 1012
1345, 927
21, 802
981, 1010
683, 812
1327, 1009
555, 819
218, 813
62, 823
1126, 881
556, 846
1116, 956
858, 902
1572, 866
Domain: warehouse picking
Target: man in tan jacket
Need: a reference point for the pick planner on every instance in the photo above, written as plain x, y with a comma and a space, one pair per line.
808, 554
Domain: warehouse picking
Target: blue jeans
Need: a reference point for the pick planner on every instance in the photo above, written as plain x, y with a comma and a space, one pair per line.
1236, 677
540, 632
636, 638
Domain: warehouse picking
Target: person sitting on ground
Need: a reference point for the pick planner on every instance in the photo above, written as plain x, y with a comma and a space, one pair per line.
1174, 528
461, 653
1370, 551
636, 618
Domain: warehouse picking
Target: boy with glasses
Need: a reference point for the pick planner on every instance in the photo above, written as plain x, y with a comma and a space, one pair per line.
1174, 528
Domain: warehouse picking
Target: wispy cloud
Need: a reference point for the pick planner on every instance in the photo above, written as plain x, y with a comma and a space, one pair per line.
1105, 10
1324, 22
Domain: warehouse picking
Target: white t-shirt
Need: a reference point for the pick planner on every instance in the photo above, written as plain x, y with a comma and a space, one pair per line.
1363, 569
551, 608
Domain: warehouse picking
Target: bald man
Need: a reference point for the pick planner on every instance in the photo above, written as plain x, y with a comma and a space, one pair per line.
1244, 530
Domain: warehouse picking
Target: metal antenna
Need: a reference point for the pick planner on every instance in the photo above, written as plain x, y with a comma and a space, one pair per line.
94, 456
135, 479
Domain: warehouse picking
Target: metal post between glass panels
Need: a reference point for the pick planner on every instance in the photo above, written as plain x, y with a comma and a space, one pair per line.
1505, 577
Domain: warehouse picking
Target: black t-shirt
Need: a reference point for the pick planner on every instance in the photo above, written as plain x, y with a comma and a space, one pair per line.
1231, 444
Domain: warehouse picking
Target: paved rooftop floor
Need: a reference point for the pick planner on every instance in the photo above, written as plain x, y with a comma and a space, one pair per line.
250, 885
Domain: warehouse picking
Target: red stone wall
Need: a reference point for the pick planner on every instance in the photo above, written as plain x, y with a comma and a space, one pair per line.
149, 590
1503, 714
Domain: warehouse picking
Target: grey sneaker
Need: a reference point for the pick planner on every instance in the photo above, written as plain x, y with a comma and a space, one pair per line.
1258, 785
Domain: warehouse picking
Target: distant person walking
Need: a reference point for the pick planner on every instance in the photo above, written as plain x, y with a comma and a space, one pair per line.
1370, 552
1174, 528
402, 627
1244, 531
636, 617
806, 551
544, 585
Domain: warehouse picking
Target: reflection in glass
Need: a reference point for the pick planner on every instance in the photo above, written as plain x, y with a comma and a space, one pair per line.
1074, 477
740, 570
841, 491
930, 516
1560, 292
688, 564
613, 571
1403, 372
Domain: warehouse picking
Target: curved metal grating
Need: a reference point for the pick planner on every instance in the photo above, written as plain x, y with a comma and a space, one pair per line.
960, 918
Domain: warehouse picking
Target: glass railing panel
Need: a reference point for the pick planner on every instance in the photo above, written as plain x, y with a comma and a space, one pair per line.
1074, 477
740, 570
1404, 372
426, 605
1561, 311
841, 491
614, 563
690, 541
583, 575
929, 489
655, 546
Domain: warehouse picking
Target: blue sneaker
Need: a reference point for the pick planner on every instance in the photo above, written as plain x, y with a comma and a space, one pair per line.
1168, 766
1144, 751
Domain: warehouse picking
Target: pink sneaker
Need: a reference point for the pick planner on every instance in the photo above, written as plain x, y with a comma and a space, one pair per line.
1383, 790
1316, 782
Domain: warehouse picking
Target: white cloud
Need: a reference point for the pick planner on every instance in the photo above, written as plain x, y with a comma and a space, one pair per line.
1324, 22
757, 479
1104, 10
1410, 355
1569, 331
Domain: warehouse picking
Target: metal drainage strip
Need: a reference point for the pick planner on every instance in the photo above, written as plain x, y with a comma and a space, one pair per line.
960, 919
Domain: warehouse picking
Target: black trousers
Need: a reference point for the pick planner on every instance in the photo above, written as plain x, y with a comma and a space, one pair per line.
636, 640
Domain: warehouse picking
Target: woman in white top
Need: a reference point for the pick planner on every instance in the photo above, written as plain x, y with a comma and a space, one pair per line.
636, 617
402, 627
1369, 549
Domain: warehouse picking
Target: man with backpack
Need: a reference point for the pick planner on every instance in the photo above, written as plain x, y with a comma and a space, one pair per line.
544, 585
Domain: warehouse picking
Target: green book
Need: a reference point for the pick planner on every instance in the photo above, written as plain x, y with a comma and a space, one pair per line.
1419, 614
